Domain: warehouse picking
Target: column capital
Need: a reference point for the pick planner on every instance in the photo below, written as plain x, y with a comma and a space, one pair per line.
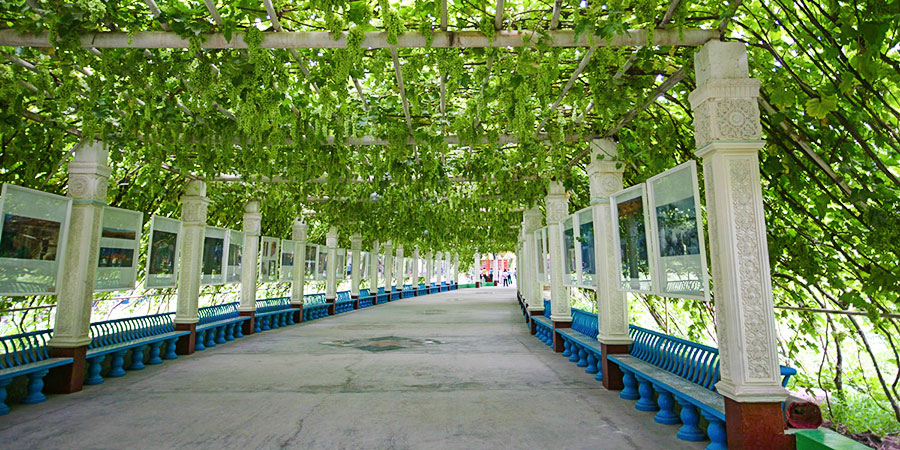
603, 171
299, 231
557, 203
331, 237
89, 172
531, 219
355, 242
194, 204
252, 218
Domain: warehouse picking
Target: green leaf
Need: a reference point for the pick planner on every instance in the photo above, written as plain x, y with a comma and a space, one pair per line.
821, 107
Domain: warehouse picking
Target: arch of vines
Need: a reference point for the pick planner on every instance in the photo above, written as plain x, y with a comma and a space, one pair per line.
467, 135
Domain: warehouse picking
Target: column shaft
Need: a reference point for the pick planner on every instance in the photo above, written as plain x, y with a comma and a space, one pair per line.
250, 259
560, 309
194, 205
299, 235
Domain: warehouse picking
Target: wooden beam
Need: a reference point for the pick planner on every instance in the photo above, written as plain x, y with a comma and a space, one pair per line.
581, 66
276, 24
373, 39
399, 75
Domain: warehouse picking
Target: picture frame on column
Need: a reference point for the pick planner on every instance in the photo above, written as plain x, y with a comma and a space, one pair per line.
34, 228
322, 263
163, 251
235, 256
633, 240
120, 246
288, 258
311, 261
214, 256
577, 238
268, 259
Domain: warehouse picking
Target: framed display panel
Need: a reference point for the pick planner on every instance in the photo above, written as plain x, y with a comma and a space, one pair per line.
215, 249
633, 240
340, 266
311, 260
540, 247
34, 226
162, 252
410, 269
351, 259
322, 262
120, 245
380, 269
679, 248
364, 265
587, 259
268, 259
570, 259
234, 256
422, 269
288, 253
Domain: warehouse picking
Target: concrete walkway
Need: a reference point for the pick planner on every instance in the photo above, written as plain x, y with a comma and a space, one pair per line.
452, 370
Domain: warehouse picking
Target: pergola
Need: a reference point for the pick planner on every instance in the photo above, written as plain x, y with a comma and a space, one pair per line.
324, 85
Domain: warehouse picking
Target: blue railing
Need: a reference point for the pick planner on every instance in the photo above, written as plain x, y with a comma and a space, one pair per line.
314, 299
119, 331
584, 322
273, 304
25, 348
695, 362
343, 296
215, 313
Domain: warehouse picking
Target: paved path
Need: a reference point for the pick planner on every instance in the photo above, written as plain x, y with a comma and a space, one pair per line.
463, 372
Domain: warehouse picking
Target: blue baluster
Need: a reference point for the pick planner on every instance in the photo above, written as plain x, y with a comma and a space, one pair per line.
716, 432
690, 417
35, 386
257, 327
582, 358
220, 334
154, 353
238, 330
210, 338
645, 388
567, 348
198, 341
630, 391
265, 323
599, 376
118, 360
94, 368
666, 415
591, 363
170, 349
573, 357
229, 331
4, 409
137, 358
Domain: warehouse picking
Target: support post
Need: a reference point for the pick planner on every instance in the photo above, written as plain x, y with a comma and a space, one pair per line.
531, 289
355, 268
454, 269
415, 275
388, 268
495, 267
401, 269
88, 181
429, 268
373, 272
612, 305
728, 136
331, 241
299, 234
477, 269
560, 309
194, 205
252, 223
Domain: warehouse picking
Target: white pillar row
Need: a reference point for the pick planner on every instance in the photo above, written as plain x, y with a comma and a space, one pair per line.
249, 261
415, 277
331, 242
532, 289
372, 276
194, 206
557, 205
612, 305
454, 269
728, 136
88, 180
388, 266
429, 268
299, 235
356, 268
401, 269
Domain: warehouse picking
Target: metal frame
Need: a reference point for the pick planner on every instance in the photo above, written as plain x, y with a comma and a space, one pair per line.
232, 234
154, 221
613, 204
210, 280
136, 246
273, 277
281, 272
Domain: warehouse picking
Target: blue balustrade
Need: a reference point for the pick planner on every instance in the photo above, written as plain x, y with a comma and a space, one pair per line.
365, 298
273, 313
27, 354
118, 337
218, 324
343, 302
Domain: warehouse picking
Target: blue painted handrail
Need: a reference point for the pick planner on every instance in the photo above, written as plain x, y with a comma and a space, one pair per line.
215, 313
25, 348
314, 299
273, 304
584, 322
343, 296
364, 293
119, 331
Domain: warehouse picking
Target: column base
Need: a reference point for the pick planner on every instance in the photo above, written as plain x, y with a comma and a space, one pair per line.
330, 302
298, 315
559, 345
478, 284
355, 299
248, 325
756, 426
531, 314
185, 344
69, 378
612, 374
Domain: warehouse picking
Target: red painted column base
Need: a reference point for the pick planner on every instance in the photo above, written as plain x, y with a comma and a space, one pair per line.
249, 325
558, 342
69, 378
298, 315
531, 315
478, 284
612, 374
756, 426
185, 344
355, 299
330, 302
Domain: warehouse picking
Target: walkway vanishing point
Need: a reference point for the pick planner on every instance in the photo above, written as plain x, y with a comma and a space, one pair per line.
451, 370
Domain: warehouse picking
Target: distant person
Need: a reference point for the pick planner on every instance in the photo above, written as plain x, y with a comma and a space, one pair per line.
506, 280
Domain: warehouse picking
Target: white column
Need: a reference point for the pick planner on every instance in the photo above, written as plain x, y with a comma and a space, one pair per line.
372, 276
557, 209
533, 291
299, 234
356, 268
728, 135
388, 266
194, 205
495, 267
476, 269
454, 272
415, 278
88, 181
252, 222
429, 268
612, 305
401, 269
331, 241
